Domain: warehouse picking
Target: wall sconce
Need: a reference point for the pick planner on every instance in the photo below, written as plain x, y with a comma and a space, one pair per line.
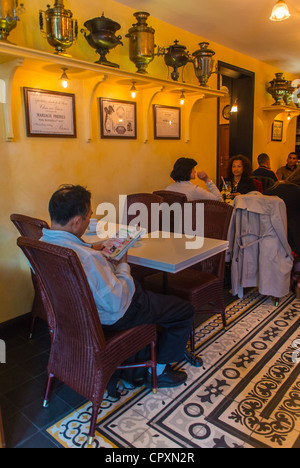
64, 78
289, 116
133, 90
234, 108
280, 11
182, 99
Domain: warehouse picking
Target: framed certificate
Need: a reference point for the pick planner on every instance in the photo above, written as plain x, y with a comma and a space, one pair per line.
49, 113
167, 122
277, 128
117, 118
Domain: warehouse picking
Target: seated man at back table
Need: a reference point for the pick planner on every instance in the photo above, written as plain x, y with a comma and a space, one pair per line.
121, 302
291, 165
264, 169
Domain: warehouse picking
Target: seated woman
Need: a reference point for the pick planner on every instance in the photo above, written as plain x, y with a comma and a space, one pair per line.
289, 191
183, 172
239, 172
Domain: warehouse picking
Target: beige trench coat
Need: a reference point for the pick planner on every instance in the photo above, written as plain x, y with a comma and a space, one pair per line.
260, 254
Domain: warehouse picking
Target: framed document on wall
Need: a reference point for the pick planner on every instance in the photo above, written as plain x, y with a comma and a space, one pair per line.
117, 118
167, 122
49, 113
277, 128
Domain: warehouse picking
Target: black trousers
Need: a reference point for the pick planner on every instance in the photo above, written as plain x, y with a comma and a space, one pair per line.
173, 315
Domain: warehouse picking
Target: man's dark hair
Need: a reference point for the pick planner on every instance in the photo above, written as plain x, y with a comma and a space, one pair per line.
69, 201
262, 159
182, 169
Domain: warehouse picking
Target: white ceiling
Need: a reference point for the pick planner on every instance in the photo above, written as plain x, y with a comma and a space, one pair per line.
241, 25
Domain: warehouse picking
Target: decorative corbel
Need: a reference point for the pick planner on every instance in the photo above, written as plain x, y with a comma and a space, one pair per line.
7, 73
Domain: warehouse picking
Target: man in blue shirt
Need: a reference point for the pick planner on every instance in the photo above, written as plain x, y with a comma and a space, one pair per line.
121, 302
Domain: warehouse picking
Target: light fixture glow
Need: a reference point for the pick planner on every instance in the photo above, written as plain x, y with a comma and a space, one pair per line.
280, 11
133, 90
289, 116
182, 99
234, 108
64, 78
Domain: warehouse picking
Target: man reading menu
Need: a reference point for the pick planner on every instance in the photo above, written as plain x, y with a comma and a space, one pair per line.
121, 302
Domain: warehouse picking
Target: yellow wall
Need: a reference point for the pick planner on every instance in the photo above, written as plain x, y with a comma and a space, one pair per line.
32, 168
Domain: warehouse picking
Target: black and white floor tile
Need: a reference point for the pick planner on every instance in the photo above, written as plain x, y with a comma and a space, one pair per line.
247, 394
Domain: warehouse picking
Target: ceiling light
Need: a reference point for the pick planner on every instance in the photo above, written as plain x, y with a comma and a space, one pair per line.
64, 78
280, 11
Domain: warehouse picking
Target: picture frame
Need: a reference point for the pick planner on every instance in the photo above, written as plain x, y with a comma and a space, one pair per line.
49, 113
117, 118
167, 122
277, 130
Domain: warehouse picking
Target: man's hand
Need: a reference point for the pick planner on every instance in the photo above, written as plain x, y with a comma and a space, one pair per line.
117, 262
203, 176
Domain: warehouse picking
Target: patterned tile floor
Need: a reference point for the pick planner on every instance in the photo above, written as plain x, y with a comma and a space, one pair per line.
246, 395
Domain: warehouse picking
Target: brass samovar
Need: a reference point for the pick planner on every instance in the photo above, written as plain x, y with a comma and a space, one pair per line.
9, 9
278, 89
203, 63
141, 42
61, 30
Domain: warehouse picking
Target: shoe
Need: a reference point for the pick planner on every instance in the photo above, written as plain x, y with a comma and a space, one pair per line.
169, 378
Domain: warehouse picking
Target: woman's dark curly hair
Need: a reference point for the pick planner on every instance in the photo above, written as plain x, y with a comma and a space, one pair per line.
182, 169
247, 166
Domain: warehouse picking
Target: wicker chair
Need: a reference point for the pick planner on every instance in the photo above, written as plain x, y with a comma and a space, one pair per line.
258, 185
202, 284
32, 227
266, 182
81, 355
147, 199
170, 198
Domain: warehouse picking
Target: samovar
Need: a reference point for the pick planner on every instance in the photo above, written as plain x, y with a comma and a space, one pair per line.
9, 11
288, 97
141, 42
61, 31
203, 63
175, 56
278, 89
102, 37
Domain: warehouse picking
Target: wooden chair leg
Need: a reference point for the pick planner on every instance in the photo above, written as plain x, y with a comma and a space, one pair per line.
93, 423
48, 385
190, 354
224, 319
192, 340
153, 367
